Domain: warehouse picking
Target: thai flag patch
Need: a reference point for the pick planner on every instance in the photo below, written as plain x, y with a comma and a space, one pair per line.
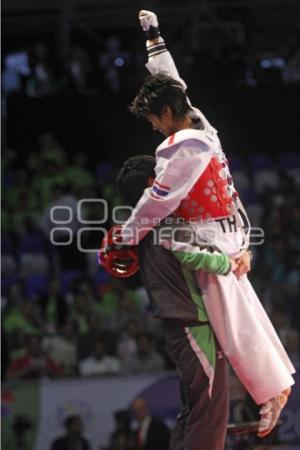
159, 190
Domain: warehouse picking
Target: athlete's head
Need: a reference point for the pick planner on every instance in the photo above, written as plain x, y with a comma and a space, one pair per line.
163, 102
136, 174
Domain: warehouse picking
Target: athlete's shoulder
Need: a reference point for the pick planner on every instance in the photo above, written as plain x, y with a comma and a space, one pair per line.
185, 138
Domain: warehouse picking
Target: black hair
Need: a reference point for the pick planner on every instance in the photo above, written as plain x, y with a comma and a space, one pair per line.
69, 421
133, 177
158, 92
123, 418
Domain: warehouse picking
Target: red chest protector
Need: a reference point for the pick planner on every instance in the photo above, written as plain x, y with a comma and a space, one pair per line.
211, 196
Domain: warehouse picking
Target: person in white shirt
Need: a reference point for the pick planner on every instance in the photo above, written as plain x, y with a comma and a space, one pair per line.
99, 363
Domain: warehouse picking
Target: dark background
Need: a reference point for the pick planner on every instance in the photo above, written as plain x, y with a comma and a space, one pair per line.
217, 45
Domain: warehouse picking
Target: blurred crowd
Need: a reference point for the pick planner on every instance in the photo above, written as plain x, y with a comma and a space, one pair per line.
108, 62
40, 71
63, 316
135, 429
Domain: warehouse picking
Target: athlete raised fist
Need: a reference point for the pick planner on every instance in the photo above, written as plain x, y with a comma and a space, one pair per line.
149, 23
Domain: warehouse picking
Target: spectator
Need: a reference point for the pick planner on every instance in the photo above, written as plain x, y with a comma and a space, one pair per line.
83, 308
73, 439
64, 208
121, 438
47, 182
25, 214
99, 363
77, 68
62, 348
127, 344
23, 315
127, 309
147, 359
34, 364
17, 343
21, 201
112, 61
21, 426
152, 433
62, 198
86, 340
107, 302
51, 150
41, 81
77, 173
54, 307
13, 299
84, 287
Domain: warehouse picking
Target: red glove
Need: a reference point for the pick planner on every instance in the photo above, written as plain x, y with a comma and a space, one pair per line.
118, 259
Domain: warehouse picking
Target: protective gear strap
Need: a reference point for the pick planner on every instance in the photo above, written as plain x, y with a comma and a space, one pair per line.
152, 33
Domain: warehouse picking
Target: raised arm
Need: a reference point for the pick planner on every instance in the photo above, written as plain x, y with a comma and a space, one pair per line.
160, 59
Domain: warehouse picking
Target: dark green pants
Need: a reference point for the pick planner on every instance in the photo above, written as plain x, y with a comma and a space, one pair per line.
202, 422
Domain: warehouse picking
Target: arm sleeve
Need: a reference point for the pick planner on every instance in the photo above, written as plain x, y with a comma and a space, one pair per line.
214, 262
161, 61
175, 178
196, 258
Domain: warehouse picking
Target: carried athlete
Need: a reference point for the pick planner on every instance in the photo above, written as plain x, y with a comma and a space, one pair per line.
194, 183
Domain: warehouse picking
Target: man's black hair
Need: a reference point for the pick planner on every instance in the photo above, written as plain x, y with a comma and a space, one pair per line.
158, 92
133, 177
69, 421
